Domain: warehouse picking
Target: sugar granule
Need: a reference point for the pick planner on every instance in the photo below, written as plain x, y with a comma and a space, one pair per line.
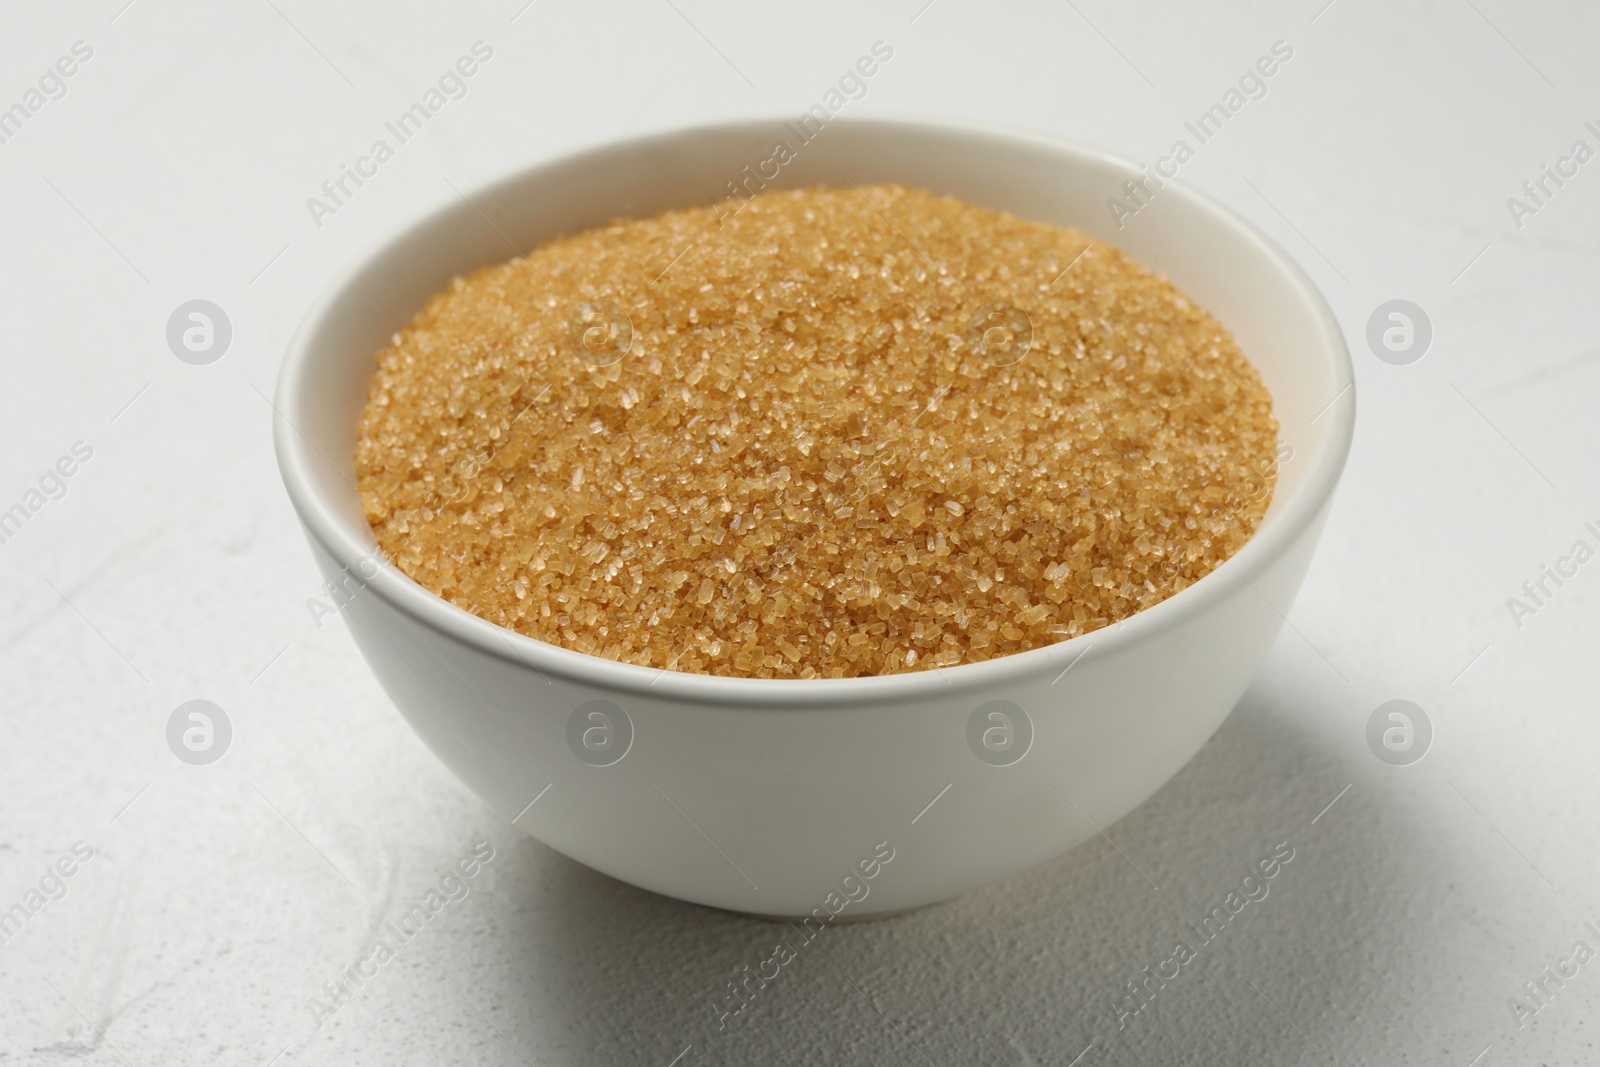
819, 433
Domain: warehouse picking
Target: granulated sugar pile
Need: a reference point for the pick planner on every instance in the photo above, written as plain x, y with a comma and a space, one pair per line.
843, 432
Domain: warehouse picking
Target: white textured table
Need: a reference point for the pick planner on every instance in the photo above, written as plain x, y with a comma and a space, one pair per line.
175, 163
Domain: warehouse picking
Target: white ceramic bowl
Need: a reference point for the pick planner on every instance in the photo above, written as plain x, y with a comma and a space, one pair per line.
763, 796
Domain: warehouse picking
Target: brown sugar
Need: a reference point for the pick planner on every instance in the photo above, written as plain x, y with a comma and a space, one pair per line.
817, 433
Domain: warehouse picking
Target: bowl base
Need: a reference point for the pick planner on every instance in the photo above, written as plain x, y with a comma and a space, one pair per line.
837, 919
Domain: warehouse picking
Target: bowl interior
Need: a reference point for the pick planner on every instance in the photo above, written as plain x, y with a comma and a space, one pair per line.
1276, 315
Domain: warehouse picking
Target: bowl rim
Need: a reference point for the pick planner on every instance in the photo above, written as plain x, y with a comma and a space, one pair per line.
296, 454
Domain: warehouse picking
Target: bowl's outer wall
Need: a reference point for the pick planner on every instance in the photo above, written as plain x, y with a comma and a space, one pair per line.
792, 799
764, 810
